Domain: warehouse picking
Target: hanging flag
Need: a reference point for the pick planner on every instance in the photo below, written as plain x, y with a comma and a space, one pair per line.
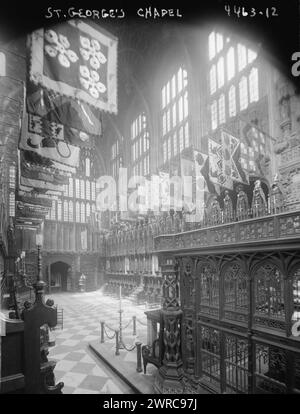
39, 184
42, 126
62, 110
164, 186
253, 148
202, 168
218, 174
33, 199
232, 158
40, 172
53, 146
78, 61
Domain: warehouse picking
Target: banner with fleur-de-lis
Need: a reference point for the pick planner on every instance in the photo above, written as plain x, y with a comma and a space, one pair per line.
76, 60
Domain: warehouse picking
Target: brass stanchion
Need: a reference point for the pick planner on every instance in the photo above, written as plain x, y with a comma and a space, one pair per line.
117, 343
134, 325
102, 332
139, 356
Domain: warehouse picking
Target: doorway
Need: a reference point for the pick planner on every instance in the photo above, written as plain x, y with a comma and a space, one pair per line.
59, 272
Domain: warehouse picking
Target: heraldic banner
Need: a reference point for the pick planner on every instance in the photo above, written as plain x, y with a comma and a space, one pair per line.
78, 61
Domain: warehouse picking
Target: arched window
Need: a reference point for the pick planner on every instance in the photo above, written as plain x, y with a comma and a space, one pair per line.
222, 114
71, 213
77, 188
175, 113
88, 209
232, 101
243, 88
53, 211
139, 135
214, 115
242, 56
230, 73
71, 187
59, 210
253, 85
82, 189
220, 71
235, 288
66, 211
213, 79
82, 213
77, 212
230, 63
93, 190
269, 291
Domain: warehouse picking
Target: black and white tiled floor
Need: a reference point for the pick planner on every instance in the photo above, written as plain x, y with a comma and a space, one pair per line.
77, 367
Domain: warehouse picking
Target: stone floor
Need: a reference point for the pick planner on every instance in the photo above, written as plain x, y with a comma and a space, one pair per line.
77, 366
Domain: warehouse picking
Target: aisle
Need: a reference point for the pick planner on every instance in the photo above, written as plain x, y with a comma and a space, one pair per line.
77, 366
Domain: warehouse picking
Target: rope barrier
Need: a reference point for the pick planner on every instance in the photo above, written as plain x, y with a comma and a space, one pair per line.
142, 323
125, 327
128, 349
109, 337
111, 329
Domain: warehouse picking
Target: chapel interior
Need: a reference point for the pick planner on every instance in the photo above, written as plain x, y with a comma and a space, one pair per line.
200, 296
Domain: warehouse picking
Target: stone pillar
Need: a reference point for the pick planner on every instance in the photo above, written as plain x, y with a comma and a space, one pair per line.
168, 379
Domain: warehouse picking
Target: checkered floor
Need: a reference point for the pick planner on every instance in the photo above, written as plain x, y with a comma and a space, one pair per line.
77, 367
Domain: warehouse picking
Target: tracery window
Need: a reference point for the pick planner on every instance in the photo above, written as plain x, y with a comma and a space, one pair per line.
116, 160
77, 188
82, 213
59, 210
77, 212
71, 187
175, 113
269, 291
53, 211
71, 215
66, 211
232, 75
140, 145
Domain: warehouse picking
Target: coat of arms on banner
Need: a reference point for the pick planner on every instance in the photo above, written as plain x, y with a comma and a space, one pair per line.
218, 171
78, 61
49, 144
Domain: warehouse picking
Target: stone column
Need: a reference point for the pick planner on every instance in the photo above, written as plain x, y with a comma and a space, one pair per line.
168, 379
